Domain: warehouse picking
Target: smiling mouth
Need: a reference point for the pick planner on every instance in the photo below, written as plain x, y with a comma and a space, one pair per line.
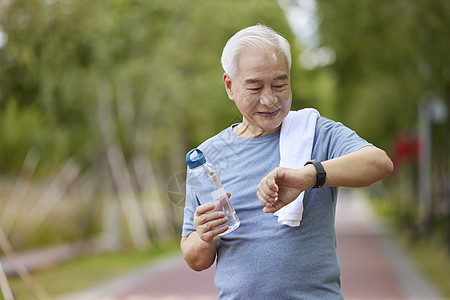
269, 114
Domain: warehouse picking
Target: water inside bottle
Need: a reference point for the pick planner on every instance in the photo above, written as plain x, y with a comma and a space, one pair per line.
233, 220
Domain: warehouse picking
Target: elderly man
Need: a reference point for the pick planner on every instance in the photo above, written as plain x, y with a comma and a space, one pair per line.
267, 257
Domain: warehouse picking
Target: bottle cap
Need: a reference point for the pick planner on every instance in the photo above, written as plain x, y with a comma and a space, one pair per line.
195, 158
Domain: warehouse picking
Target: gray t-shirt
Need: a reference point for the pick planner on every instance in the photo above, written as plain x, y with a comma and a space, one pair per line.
263, 259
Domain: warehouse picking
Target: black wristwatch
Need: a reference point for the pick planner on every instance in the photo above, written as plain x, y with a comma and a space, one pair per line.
321, 174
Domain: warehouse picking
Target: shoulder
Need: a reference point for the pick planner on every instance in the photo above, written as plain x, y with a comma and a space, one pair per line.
336, 139
323, 123
225, 136
328, 127
215, 147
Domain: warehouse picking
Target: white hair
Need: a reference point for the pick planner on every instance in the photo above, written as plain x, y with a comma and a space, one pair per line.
257, 36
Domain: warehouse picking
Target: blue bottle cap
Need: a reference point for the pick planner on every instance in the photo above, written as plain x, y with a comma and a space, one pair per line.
195, 158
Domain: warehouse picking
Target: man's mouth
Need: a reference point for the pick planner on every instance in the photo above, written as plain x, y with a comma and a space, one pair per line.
269, 114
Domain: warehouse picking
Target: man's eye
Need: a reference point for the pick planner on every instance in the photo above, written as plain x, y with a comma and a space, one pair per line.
280, 86
255, 89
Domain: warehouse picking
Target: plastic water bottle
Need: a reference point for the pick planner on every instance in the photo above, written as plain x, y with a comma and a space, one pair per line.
205, 183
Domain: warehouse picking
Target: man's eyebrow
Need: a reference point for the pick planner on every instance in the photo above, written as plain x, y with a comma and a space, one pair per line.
253, 80
281, 77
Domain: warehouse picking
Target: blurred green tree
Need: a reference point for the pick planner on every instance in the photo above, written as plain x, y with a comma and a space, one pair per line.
124, 88
389, 55
391, 58
159, 60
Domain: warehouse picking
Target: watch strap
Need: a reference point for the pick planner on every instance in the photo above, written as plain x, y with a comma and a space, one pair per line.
321, 174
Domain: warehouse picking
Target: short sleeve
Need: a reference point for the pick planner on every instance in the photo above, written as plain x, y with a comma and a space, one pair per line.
333, 139
190, 206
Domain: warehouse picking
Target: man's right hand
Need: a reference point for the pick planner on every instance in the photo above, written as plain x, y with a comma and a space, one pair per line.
206, 222
199, 248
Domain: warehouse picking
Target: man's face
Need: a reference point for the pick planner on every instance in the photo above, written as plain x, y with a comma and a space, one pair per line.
261, 91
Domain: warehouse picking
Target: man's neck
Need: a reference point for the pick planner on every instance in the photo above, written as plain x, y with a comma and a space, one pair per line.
246, 131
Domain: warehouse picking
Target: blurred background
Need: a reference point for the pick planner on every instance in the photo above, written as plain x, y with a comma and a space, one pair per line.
100, 101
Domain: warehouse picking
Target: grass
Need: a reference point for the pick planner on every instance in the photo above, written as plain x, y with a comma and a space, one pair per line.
429, 253
88, 271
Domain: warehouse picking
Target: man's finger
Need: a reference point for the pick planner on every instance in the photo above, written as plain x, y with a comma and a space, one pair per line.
265, 193
204, 208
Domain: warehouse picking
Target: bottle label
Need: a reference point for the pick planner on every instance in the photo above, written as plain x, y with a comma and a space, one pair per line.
218, 193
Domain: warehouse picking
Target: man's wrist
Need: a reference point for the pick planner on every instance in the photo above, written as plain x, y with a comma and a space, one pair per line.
320, 173
311, 176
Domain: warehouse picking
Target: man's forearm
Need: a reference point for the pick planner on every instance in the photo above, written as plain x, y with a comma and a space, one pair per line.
358, 169
198, 254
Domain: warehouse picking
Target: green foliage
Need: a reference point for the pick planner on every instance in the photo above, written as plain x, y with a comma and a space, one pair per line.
160, 63
19, 133
389, 55
23, 130
157, 61
79, 78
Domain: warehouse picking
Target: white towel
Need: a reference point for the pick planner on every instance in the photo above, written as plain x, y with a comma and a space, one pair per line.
296, 141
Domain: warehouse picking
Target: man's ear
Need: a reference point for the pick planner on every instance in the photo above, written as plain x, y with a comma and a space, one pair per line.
227, 81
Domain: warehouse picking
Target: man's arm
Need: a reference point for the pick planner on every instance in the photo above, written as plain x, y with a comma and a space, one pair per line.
199, 248
358, 169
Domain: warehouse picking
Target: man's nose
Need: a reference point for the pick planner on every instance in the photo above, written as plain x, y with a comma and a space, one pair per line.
268, 98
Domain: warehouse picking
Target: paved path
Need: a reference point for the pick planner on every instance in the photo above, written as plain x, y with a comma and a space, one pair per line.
373, 267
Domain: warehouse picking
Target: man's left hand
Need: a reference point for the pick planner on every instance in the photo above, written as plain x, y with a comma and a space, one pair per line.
282, 186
